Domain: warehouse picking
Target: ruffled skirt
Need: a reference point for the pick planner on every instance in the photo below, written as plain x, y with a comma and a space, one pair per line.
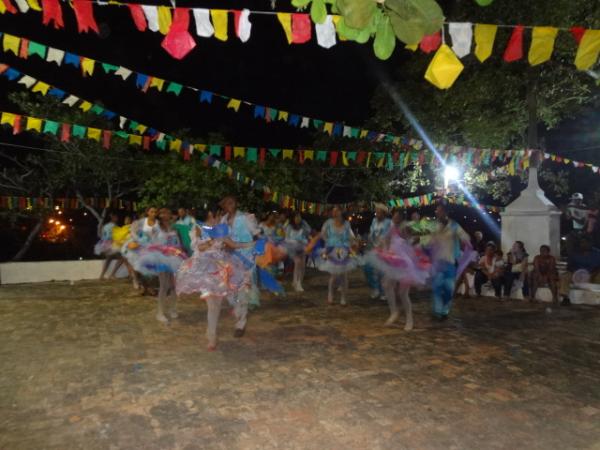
406, 264
105, 248
213, 273
338, 260
154, 259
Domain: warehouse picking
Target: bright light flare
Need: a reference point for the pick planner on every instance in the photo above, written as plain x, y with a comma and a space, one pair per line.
451, 173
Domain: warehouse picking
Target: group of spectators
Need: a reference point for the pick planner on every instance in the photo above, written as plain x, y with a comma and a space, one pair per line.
502, 272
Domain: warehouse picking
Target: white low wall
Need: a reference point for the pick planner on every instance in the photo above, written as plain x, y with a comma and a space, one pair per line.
35, 272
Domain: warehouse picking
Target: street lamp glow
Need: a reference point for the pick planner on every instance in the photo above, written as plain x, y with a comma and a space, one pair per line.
451, 173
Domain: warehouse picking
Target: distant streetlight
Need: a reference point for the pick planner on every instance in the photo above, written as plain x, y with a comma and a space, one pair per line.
451, 174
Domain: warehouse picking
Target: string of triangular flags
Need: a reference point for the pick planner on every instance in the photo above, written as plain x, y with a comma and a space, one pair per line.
429, 199
29, 203
518, 159
444, 69
25, 48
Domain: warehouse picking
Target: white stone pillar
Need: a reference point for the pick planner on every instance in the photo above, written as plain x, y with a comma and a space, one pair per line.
533, 219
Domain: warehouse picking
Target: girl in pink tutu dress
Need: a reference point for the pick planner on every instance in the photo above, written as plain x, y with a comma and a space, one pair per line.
403, 265
213, 272
162, 258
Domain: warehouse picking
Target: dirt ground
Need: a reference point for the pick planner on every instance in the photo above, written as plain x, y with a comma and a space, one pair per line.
87, 366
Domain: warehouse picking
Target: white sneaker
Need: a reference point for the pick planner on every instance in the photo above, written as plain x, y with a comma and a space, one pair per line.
343, 302
298, 288
161, 318
409, 325
391, 320
374, 294
383, 298
173, 314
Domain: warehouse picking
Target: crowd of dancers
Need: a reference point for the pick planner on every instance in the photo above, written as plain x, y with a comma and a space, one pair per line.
228, 258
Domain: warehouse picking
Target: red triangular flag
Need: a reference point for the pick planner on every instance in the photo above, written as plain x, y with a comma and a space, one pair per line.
361, 157
301, 28
577, 33
514, 49
65, 132
146, 142
106, 136
17, 124
52, 12
85, 16
24, 49
179, 42
227, 153
261, 155
9, 6
333, 158
186, 154
137, 14
431, 42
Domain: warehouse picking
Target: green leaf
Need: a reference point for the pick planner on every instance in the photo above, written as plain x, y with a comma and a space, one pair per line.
300, 3
357, 13
408, 32
413, 19
318, 11
346, 31
385, 39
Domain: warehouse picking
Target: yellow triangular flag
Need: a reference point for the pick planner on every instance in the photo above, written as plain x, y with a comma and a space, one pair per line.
344, 159
336, 21
175, 145
219, 20
85, 106
2, 7
135, 139
484, 40
87, 66
444, 69
288, 154
589, 48
283, 115
411, 47
157, 83
363, 133
94, 133
34, 124
286, 22
542, 44
7, 118
11, 43
141, 129
164, 19
33, 4
234, 104
328, 128
309, 154
239, 152
40, 86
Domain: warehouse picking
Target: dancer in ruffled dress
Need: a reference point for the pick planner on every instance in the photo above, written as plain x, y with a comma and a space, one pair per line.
339, 256
243, 230
120, 235
377, 232
297, 234
213, 272
104, 247
403, 264
162, 258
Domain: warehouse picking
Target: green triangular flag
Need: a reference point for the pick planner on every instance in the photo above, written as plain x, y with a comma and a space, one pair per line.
318, 124
162, 144
321, 155
133, 125
109, 67
390, 162
275, 152
36, 49
175, 88
351, 156
50, 127
215, 150
354, 132
121, 134
273, 113
97, 109
252, 154
78, 131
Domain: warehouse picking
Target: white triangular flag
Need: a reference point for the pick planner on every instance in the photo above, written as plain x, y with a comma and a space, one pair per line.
204, 27
27, 81
151, 13
55, 55
122, 121
22, 5
71, 100
347, 131
326, 33
244, 26
462, 35
305, 122
123, 72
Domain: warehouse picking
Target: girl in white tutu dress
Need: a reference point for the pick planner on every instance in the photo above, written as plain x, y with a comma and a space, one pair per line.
162, 258
338, 257
403, 265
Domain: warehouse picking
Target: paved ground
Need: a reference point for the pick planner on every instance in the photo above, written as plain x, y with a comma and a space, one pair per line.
88, 367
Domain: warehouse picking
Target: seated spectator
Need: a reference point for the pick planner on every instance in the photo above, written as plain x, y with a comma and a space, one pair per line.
478, 243
516, 269
491, 268
587, 258
544, 272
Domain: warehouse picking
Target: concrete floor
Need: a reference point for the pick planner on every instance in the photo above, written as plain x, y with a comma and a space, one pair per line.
88, 367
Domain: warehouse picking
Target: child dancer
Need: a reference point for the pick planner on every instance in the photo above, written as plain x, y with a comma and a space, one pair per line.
104, 247
403, 265
143, 232
297, 233
163, 257
338, 258
378, 230
120, 235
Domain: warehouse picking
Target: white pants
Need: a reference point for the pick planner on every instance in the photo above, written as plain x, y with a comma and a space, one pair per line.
393, 290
